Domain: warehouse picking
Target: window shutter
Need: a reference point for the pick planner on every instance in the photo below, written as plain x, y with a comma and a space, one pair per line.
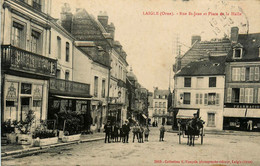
258, 95
251, 95
201, 98
256, 73
243, 71
234, 74
251, 75
246, 95
229, 93
242, 94
206, 99
217, 99
197, 98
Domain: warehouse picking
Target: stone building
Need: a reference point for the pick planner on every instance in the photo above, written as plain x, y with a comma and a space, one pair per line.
242, 90
26, 62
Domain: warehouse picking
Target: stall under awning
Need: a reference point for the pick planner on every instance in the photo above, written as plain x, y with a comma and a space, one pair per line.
73, 98
145, 117
186, 113
234, 112
253, 113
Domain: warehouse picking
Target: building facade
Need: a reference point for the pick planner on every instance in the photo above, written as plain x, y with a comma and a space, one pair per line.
200, 85
242, 92
26, 63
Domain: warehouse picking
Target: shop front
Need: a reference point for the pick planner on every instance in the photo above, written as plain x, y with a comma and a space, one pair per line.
69, 99
115, 113
242, 117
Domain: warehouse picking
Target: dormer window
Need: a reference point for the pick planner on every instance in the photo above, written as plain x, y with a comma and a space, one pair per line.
237, 53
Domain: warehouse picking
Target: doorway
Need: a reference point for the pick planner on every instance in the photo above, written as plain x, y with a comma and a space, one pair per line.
25, 107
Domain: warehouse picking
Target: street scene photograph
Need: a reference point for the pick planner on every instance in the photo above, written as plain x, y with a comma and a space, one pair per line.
130, 82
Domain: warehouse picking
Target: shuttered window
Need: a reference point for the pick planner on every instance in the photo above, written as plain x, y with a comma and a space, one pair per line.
201, 98
206, 99
251, 74
229, 93
243, 71
249, 92
256, 73
241, 97
197, 98
236, 74
217, 99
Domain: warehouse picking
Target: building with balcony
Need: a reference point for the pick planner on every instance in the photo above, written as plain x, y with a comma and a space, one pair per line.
200, 85
242, 92
25, 60
160, 106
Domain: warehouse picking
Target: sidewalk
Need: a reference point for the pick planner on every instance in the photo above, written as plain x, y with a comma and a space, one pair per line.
8, 151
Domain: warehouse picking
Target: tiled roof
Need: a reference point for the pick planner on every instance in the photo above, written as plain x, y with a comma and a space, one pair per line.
213, 66
161, 92
250, 44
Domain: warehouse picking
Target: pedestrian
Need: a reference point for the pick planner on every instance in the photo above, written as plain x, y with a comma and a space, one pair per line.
141, 134
146, 133
107, 128
116, 127
162, 130
121, 134
250, 125
112, 132
135, 132
156, 125
125, 132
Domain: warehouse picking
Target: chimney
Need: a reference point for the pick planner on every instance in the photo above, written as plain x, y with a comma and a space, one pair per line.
103, 19
66, 17
195, 38
234, 35
111, 30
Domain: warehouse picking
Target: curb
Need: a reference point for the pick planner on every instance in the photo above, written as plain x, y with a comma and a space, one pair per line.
35, 150
222, 133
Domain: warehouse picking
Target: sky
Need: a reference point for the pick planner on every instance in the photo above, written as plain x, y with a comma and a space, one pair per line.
150, 40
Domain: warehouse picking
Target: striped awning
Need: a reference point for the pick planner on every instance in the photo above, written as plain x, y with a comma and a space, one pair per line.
253, 113
234, 112
186, 113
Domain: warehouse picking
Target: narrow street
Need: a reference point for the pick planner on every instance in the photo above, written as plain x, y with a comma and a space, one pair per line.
221, 148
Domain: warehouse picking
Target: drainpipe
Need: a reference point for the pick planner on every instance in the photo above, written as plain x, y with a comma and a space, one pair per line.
108, 82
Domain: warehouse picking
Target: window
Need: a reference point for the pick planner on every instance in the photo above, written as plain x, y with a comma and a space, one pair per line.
211, 98
258, 95
159, 111
251, 74
35, 42
160, 104
59, 47
235, 74
235, 95
187, 82
37, 4
163, 112
155, 111
212, 81
199, 82
26, 88
243, 74
211, 119
164, 104
95, 86
199, 98
249, 95
186, 98
156, 104
103, 88
18, 38
58, 73
67, 51
237, 53
67, 75
229, 93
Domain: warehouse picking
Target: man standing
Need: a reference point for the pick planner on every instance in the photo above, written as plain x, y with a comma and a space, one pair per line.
107, 128
162, 130
126, 130
135, 132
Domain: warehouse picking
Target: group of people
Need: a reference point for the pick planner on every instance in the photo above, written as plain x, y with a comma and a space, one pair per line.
116, 134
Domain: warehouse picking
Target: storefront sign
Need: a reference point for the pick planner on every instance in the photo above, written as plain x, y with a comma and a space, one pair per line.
232, 105
12, 92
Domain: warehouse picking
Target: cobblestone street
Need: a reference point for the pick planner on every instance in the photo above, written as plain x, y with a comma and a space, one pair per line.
221, 148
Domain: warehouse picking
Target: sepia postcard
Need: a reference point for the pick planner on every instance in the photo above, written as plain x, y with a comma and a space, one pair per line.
130, 82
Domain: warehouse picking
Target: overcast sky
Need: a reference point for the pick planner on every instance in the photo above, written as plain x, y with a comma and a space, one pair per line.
150, 40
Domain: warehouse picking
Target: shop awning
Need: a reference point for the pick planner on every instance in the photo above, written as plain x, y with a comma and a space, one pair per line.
186, 113
145, 117
253, 113
70, 97
234, 112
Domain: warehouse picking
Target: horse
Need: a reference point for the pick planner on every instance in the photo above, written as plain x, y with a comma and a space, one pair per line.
193, 127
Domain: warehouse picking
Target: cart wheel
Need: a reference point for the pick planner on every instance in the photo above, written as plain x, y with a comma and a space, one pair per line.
201, 137
180, 137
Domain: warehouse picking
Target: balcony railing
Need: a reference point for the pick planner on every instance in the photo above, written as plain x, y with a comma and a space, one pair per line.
37, 6
60, 86
18, 59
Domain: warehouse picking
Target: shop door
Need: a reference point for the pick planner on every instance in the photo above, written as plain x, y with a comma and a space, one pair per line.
25, 107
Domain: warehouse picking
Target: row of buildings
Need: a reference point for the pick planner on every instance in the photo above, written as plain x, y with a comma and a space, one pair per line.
221, 79
71, 64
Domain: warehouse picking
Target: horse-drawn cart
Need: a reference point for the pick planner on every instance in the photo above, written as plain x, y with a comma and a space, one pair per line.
190, 125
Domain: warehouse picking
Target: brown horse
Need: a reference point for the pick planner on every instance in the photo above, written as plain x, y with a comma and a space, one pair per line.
193, 127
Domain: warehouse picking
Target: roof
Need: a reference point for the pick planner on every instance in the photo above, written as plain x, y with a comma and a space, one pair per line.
160, 92
131, 76
213, 66
250, 44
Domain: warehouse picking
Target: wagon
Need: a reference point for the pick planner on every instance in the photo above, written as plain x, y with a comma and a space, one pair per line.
183, 117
